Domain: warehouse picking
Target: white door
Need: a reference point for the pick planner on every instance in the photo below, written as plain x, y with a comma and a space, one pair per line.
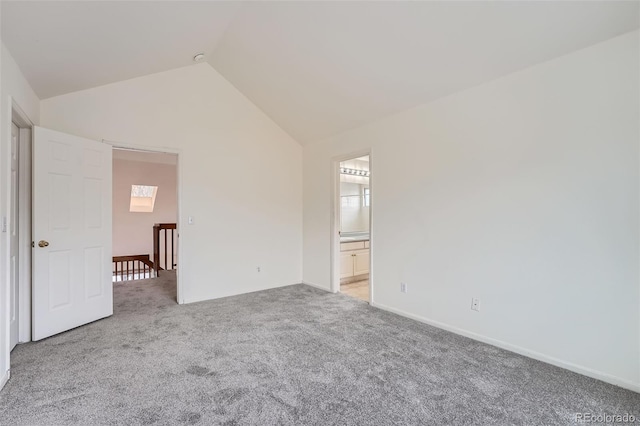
14, 238
71, 231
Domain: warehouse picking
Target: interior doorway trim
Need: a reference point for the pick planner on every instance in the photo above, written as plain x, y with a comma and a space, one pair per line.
164, 150
335, 219
25, 126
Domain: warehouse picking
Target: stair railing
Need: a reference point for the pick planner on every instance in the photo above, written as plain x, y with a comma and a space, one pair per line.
136, 267
164, 254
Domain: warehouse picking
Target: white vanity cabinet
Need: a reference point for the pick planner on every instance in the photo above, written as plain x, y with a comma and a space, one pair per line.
354, 259
361, 262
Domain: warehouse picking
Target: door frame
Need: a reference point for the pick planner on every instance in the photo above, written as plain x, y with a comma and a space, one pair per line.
336, 219
25, 125
26, 150
164, 150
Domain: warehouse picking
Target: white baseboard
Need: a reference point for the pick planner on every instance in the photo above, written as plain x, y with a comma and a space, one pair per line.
5, 378
317, 286
519, 350
283, 285
188, 301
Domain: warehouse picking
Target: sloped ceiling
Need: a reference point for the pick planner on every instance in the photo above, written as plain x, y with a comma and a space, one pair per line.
316, 68
65, 46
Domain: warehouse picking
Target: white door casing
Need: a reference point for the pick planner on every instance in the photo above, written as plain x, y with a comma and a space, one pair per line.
14, 238
72, 214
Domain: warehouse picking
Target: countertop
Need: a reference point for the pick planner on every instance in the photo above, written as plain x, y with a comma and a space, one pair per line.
353, 237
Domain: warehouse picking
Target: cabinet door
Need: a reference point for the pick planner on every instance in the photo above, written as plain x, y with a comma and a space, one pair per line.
346, 264
361, 262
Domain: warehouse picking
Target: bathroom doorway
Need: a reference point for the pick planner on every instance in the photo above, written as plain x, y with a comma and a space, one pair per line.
354, 227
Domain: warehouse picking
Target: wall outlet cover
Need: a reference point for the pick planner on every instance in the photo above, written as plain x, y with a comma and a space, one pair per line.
475, 304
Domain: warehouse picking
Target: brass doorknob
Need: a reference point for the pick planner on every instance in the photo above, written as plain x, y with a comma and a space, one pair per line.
43, 243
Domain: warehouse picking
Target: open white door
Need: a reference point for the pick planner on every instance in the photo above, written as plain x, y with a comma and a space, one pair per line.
71, 231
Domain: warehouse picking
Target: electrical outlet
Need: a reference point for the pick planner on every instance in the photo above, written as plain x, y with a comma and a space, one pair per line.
258, 268
403, 287
475, 305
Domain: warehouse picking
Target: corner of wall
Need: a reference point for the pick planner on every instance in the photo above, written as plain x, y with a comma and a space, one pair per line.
5, 378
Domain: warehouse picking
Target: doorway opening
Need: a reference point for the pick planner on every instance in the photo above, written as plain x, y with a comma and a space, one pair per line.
145, 213
354, 210
43, 208
14, 239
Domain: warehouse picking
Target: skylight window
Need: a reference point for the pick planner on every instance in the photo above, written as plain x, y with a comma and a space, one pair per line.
143, 198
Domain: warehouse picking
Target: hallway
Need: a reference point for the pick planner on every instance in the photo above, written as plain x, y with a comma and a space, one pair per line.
130, 298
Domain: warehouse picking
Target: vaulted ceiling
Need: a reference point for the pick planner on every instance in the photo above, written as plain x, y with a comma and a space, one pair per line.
316, 68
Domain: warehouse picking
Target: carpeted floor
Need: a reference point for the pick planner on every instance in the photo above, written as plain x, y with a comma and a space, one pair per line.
291, 356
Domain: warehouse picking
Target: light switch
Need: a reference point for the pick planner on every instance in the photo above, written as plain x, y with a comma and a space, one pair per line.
191, 220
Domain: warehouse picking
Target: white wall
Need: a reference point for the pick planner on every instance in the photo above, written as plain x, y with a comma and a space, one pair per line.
522, 192
13, 87
133, 231
239, 174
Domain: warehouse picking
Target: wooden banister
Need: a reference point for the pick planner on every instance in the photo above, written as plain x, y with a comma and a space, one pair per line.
164, 251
